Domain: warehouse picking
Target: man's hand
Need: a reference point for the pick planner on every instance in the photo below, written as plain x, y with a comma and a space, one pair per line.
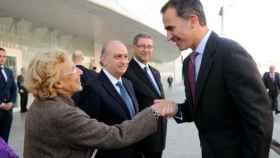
165, 108
6, 106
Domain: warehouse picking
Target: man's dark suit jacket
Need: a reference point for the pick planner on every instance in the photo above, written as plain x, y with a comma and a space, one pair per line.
112, 110
146, 95
272, 86
84, 98
8, 93
232, 114
8, 88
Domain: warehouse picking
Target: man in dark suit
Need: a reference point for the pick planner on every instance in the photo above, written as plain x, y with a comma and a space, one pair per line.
148, 87
225, 96
23, 93
271, 81
85, 98
8, 92
115, 99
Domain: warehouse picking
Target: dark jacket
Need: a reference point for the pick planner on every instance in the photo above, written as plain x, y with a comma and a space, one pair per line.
111, 109
84, 99
272, 86
21, 88
146, 94
8, 89
232, 114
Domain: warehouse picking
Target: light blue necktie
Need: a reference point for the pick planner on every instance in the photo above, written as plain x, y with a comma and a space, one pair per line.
126, 98
151, 80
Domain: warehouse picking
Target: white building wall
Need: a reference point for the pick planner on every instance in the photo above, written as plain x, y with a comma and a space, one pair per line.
22, 36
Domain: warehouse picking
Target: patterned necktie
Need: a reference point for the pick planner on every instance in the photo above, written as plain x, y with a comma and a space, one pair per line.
151, 81
191, 76
126, 98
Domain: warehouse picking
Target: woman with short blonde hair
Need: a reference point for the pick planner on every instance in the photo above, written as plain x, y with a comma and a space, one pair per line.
56, 128
43, 72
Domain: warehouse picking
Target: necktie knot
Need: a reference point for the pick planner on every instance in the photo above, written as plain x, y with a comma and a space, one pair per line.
146, 68
193, 56
119, 84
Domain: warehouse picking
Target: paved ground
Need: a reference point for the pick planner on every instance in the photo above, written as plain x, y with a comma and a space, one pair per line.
182, 140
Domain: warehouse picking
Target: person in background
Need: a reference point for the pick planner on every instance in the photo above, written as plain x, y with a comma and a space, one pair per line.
8, 94
169, 81
92, 64
22, 92
83, 99
147, 84
271, 81
55, 127
224, 93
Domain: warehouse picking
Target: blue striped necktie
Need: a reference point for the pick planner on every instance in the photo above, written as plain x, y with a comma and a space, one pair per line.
126, 98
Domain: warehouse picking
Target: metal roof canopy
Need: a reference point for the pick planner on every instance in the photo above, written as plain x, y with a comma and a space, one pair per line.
89, 20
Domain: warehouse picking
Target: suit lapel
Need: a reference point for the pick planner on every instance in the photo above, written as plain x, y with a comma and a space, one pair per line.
4, 81
131, 94
108, 86
206, 65
141, 75
158, 82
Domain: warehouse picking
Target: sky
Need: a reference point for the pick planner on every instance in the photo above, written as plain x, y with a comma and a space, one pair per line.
254, 24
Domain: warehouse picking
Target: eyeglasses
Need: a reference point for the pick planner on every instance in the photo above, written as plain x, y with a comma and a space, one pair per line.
74, 69
144, 47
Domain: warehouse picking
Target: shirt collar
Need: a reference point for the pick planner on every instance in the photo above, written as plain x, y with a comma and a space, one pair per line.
113, 79
141, 64
201, 46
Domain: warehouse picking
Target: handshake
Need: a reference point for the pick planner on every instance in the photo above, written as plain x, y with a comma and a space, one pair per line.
165, 108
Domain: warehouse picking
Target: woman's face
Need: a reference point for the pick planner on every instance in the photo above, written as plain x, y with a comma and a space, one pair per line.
70, 78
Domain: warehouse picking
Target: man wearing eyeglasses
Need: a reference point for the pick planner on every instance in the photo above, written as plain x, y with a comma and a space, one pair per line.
148, 87
7, 96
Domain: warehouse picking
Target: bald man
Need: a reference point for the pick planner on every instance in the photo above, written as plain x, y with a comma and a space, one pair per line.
85, 98
115, 98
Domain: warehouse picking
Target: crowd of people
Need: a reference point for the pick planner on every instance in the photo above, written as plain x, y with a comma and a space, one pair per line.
122, 110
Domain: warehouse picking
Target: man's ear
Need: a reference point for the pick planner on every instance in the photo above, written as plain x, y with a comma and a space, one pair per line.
193, 20
102, 58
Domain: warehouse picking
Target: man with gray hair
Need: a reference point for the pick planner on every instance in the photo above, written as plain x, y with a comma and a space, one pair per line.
224, 93
115, 95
